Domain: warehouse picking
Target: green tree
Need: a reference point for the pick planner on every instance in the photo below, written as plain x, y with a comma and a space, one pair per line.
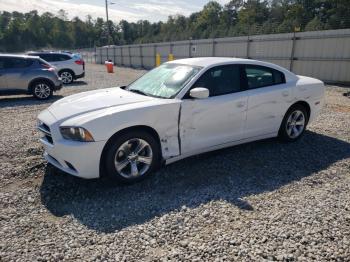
23, 31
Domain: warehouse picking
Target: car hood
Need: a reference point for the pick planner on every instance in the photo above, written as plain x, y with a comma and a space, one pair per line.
86, 102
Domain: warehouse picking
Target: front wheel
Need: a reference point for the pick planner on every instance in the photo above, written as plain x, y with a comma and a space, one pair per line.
132, 157
294, 123
42, 90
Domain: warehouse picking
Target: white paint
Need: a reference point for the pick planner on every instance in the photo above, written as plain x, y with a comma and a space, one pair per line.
212, 121
69, 64
197, 125
199, 92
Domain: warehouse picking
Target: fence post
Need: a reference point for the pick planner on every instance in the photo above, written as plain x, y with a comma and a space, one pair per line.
121, 56
292, 58
155, 54
158, 60
100, 59
190, 49
95, 55
171, 49
114, 57
248, 47
129, 48
141, 56
213, 47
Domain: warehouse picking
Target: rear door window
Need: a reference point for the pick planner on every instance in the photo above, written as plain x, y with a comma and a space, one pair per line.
261, 76
60, 57
46, 57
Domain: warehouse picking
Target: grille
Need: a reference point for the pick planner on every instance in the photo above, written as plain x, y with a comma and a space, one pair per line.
45, 129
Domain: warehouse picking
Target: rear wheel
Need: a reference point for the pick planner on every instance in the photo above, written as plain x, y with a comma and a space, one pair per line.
294, 123
66, 76
42, 90
132, 156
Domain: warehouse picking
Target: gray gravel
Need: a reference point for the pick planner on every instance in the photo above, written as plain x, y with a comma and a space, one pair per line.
259, 201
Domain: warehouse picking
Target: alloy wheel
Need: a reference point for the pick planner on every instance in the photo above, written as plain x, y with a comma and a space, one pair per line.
66, 77
42, 91
133, 158
295, 124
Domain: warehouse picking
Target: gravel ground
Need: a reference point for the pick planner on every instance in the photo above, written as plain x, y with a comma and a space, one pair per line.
259, 201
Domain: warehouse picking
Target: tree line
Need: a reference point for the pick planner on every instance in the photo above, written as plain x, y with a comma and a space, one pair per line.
27, 31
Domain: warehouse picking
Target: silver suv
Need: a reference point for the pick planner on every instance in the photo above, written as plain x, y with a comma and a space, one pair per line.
69, 66
21, 74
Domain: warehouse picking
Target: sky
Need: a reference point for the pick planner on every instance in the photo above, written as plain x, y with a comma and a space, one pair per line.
130, 10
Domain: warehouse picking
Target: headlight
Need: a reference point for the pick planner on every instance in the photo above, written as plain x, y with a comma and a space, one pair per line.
76, 134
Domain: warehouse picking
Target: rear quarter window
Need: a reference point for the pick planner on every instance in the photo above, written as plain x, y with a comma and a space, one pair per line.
261, 76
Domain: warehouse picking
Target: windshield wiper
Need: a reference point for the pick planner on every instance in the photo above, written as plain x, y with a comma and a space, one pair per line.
143, 93
138, 92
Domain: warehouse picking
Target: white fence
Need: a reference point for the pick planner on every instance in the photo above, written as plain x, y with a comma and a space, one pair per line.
321, 54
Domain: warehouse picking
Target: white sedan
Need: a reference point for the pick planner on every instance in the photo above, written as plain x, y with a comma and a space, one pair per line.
181, 108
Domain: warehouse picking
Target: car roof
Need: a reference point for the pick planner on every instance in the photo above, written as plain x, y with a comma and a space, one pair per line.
19, 56
208, 62
49, 52
33, 53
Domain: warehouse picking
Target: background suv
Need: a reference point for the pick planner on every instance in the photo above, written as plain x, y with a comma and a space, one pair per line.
26, 74
69, 66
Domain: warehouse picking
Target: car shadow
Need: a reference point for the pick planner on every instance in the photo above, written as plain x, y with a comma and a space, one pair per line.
76, 83
25, 100
229, 174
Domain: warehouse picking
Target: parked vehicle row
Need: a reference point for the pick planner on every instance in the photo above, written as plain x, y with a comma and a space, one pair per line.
179, 109
69, 66
39, 73
21, 74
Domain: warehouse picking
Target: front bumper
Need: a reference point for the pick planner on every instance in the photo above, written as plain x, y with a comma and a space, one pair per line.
58, 87
81, 159
75, 158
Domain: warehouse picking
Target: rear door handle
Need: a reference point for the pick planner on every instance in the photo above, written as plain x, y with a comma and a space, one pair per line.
285, 93
240, 104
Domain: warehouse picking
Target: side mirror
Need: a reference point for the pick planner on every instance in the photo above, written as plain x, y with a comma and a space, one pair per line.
199, 93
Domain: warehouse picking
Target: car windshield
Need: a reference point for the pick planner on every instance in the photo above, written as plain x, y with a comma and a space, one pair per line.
164, 81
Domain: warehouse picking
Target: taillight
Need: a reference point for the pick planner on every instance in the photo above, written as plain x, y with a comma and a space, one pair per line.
48, 67
79, 62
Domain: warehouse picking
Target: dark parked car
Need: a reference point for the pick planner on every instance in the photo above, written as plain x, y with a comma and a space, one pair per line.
20, 74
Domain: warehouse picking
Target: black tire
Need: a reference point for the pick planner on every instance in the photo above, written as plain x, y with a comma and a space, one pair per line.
67, 76
42, 90
114, 145
283, 133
